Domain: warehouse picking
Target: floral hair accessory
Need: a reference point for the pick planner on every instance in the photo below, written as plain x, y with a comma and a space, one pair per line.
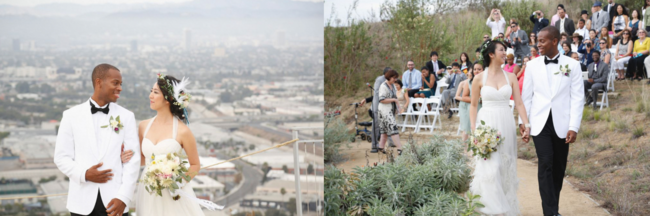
178, 91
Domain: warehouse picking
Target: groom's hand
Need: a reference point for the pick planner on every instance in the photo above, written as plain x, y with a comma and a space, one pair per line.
571, 136
97, 176
115, 207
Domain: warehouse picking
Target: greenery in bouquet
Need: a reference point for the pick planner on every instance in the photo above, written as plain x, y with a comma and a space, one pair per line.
166, 172
484, 140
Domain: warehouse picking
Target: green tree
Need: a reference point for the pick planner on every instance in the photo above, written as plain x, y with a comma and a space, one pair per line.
310, 169
285, 168
47, 89
274, 212
291, 206
283, 192
22, 87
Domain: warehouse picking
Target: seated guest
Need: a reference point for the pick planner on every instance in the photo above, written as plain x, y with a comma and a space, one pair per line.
428, 80
401, 95
412, 79
574, 55
587, 52
605, 54
478, 54
598, 72
448, 94
639, 54
566, 46
435, 67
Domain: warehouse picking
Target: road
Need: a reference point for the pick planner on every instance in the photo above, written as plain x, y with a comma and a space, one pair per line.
252, 178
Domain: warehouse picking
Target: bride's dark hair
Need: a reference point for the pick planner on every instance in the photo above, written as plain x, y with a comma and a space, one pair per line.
175, 109
489, 47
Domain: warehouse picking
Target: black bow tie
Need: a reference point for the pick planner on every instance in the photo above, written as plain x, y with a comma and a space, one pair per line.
94, 109
546, 61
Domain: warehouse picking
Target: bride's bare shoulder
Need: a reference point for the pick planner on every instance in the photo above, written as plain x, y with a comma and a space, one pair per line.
143, 124
478, 78
184, 131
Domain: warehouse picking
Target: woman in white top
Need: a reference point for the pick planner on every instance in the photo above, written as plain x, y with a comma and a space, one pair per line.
645, 22
623, 54
620, 21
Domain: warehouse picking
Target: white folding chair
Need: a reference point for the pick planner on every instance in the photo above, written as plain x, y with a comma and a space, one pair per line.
585, 75
434, 112
512, 105
413, 115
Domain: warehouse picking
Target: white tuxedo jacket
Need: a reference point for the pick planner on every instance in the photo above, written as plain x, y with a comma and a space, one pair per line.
77, 150
564, 96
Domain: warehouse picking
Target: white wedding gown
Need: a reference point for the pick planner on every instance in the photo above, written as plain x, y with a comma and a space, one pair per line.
152, 204
495, 179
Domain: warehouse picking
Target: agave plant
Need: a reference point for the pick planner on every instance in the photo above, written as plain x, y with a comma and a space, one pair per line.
426, 180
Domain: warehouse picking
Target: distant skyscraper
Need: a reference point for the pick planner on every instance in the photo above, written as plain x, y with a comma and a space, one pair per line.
279, 38
187, 38
16, 44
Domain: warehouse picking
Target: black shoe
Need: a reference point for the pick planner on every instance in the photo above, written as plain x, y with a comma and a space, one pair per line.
373, 150
381, 150
399, 151
450, 114
589, 101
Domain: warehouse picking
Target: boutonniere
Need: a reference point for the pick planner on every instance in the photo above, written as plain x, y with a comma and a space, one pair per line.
564, 70
115, 124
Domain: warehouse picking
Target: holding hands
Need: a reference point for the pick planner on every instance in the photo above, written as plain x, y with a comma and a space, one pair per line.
525, 133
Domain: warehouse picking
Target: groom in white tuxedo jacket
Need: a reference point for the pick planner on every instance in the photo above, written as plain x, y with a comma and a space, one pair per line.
553, 95
89, 153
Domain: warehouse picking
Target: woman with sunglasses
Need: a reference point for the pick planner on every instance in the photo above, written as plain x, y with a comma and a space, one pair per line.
640, 52
604, 35
606, 54
623, 54
532, 42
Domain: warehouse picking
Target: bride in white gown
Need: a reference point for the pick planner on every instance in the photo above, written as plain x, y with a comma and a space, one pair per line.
495, 179
163, 134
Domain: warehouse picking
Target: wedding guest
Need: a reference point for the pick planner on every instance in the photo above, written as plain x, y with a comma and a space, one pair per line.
533, 52
645, 23
574, 55
619, 22
639, 54
566, 47
539, 21
412, 79
428, 79
463, 105
510, 29
465, 63
604, 35
521, 74
402, 96
496, 22
436, 67
478, 54
593, 35
556, 17
610, 8
585, 16
598, 73
448, 94
633, 25
577, 43
564, 23
532, 41
623, 54
387, 109
606, 54
519, 41
587, 53
510, 65
563, 37
599, 18
582, 30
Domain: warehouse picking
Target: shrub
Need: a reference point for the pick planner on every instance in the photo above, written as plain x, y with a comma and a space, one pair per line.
335, 134
426, 180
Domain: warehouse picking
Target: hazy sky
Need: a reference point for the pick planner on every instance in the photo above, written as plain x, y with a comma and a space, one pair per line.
341, 7
85, 2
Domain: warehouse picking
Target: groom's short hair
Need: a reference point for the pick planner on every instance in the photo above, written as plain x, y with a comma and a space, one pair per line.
553, 31
100, 71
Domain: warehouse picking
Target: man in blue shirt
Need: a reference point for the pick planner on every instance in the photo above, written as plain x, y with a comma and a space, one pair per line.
587, 52
412, 79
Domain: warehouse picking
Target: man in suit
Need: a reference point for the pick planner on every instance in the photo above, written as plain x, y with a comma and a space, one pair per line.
412, 79
564, 24
88, 148
538, 19
519, 41
600, 18
598, 71
611, 9
436, 67
453, 81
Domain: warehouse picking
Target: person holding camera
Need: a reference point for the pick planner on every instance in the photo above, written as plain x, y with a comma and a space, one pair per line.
519, 41
538, 19
587, 53
497, 24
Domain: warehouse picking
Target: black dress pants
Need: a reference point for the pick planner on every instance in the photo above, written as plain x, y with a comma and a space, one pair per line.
99, 210
552, 152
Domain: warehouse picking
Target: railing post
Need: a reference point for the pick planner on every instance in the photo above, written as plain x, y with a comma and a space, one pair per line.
296, 171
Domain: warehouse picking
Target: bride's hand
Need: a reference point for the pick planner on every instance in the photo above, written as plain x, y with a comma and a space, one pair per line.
126, 155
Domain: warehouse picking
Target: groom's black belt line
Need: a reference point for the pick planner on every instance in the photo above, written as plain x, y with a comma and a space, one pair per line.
94, 109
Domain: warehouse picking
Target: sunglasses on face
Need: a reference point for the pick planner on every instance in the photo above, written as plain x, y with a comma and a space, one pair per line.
602, 42
485, 37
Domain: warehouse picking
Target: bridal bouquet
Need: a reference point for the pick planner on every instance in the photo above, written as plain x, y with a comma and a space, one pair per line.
166, 172
484, 141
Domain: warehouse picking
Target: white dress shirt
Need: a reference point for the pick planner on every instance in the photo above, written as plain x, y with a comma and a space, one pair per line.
561, 27
100, 119
551, 68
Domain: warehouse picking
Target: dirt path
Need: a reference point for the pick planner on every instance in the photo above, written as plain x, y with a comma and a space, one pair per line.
572, 202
